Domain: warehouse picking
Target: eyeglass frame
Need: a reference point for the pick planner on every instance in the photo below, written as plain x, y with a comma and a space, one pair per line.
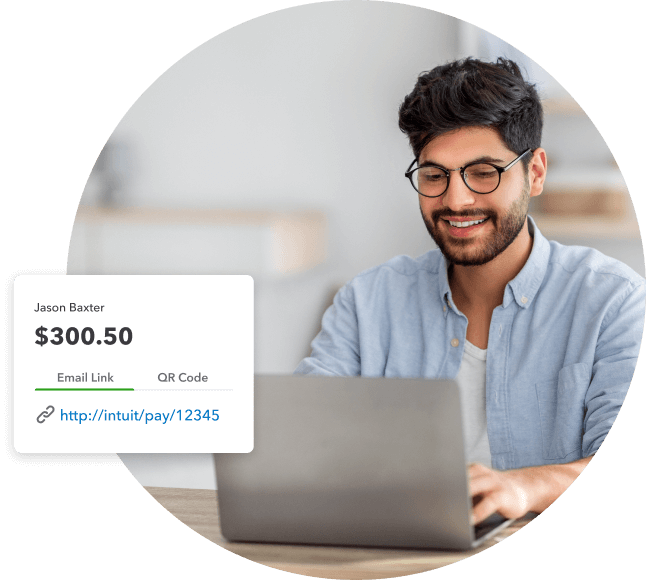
500, 170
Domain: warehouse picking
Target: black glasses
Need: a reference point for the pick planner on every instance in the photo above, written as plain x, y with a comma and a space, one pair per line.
479, 177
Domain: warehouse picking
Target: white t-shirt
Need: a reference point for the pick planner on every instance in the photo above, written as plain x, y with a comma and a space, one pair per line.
471, 381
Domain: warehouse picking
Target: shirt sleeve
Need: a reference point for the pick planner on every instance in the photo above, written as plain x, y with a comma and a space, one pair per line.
614, 364
335, 350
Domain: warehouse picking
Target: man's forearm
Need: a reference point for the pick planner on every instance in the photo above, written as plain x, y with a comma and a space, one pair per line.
545, 483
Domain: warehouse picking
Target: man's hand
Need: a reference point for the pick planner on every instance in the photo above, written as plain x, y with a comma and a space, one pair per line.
493, 491
514, 493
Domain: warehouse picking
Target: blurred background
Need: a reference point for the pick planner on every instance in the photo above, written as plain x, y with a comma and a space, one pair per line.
273, 150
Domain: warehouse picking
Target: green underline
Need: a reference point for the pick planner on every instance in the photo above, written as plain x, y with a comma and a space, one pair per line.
84, 389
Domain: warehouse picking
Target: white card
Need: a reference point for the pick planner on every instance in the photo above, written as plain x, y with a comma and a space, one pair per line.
133, 364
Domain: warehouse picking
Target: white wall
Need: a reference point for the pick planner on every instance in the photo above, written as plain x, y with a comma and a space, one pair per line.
297, 109
294, 110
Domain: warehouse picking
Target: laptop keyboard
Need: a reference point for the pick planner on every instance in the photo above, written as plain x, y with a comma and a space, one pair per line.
486, 526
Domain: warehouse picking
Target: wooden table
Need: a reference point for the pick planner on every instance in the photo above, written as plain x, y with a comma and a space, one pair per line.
198, 509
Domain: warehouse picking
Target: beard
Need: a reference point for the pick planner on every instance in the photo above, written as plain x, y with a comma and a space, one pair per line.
476, 252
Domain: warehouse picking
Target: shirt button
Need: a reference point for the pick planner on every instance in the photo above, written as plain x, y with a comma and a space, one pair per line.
455, 342
524, 299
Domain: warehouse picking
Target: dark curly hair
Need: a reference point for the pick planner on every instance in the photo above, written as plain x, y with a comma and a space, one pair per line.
473, 93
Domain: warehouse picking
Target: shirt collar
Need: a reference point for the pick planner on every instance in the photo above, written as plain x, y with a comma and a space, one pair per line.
524, 287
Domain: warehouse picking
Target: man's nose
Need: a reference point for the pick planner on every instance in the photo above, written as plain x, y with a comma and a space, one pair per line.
458, 195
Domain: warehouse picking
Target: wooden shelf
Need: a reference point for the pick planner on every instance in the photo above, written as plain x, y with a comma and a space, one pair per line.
562, 106
580, 176
293, 241
214, 216
580, 201
587, 227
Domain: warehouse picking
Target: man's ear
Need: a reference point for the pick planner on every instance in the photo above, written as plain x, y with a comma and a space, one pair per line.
536, 172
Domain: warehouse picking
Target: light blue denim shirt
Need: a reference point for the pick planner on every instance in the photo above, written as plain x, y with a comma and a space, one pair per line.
561, 353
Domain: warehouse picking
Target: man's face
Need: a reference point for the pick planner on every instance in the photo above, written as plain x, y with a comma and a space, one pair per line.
504, 211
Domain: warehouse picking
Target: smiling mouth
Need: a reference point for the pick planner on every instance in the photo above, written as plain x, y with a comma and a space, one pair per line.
465, 224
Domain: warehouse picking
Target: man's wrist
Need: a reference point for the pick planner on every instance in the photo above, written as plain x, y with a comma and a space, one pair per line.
543, 484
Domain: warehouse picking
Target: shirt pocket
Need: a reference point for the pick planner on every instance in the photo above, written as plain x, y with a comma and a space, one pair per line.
561, 404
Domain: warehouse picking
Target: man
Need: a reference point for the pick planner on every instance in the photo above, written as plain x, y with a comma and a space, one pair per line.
541, 338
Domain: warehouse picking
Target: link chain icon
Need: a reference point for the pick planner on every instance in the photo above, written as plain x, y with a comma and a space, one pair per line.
46, 413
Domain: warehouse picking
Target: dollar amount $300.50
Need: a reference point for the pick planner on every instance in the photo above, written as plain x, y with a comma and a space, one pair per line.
85, 336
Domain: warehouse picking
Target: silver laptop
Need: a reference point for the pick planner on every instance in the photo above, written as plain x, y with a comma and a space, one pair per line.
352, 461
